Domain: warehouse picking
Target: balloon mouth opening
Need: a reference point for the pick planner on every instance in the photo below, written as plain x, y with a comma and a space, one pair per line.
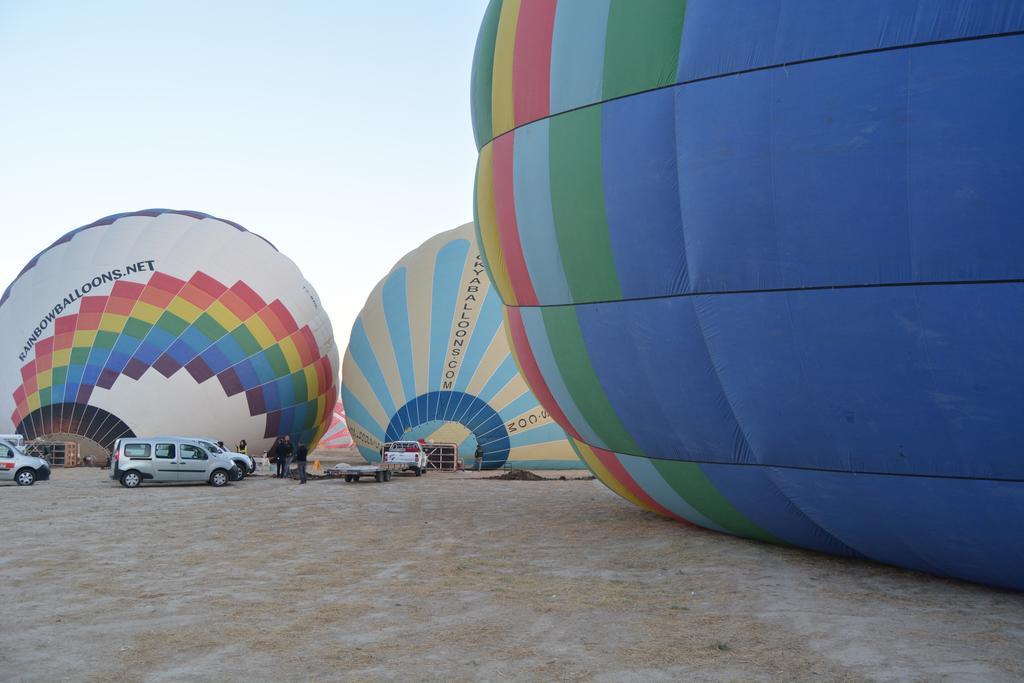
94, 429
453, 417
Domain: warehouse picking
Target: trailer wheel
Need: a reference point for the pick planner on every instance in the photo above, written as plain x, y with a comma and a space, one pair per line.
355, 477
418, 471
378, 477
348, 478
387, 476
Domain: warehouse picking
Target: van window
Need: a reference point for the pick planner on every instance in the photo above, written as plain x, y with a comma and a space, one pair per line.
137, 451
192, 453
5, 452
165, 451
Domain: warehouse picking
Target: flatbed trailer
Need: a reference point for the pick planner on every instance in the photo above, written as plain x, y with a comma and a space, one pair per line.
379, 472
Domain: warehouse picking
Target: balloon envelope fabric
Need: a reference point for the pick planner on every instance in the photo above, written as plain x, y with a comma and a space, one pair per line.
166, 322
763, 260
337, 435
429, 358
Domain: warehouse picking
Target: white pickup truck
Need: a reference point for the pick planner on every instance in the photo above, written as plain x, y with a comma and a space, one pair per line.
408, 453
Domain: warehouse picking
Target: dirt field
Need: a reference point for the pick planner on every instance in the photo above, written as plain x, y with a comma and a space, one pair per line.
450, 577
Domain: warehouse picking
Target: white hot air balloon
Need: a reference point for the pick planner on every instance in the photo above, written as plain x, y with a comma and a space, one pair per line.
165, 322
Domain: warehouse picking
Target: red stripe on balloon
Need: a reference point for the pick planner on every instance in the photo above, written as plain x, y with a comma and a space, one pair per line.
531, 66
508, 230
615, 468
534, 378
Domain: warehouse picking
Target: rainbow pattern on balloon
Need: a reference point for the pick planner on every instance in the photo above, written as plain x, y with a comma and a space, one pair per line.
167, 324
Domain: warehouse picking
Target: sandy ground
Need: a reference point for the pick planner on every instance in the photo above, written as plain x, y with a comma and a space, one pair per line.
451, 577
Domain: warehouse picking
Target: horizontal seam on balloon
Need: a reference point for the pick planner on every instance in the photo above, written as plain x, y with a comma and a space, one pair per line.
825, 470
777, 290
767, 67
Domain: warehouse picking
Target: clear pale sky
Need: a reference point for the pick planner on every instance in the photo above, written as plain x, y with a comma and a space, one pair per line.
339, 130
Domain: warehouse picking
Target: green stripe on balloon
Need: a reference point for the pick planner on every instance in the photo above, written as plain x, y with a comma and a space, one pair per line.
642, 45
577, 202
580, 379
693, 486
483, 74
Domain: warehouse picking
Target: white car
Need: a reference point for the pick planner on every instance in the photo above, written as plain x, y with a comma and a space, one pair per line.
246, 465
23, 469
408, 453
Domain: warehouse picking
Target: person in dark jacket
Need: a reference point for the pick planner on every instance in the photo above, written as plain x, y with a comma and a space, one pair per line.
285, 452
275, 457
300, 461
478, 455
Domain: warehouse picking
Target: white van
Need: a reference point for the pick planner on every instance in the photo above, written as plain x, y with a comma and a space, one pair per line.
168, 459
16, 466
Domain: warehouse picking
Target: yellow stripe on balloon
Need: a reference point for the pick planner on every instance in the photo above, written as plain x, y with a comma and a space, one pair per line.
224, 317
487, 215
493, 357
356, 382
376, 328
144, 312
590, 459
61, 357
291, 354
112, 322
84, 339
512, 390
264, 337
184, 309
502, 102
551, 451
312, 386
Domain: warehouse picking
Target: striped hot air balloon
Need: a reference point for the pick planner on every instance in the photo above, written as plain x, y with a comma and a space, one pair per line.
337, 435
165, 322
763, 260
429, 359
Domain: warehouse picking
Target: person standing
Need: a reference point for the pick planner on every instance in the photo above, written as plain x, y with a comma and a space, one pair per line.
276, 455
241, 447
287, 450
300, 461
478, 455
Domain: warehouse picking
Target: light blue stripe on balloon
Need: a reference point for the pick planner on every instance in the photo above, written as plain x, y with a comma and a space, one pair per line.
487, 324
533, 323
448, 265
543, 434
396, 312
534, 215
368, 453
468, 446
362, 353
577, 53
506, 371
654, 485
526, 401
357, 412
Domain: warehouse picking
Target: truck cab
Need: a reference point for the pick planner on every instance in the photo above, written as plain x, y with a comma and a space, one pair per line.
408, 453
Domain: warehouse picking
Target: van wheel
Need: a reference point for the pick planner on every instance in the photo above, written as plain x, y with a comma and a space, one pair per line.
241, 474
218, 478
25, 477
131, 480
